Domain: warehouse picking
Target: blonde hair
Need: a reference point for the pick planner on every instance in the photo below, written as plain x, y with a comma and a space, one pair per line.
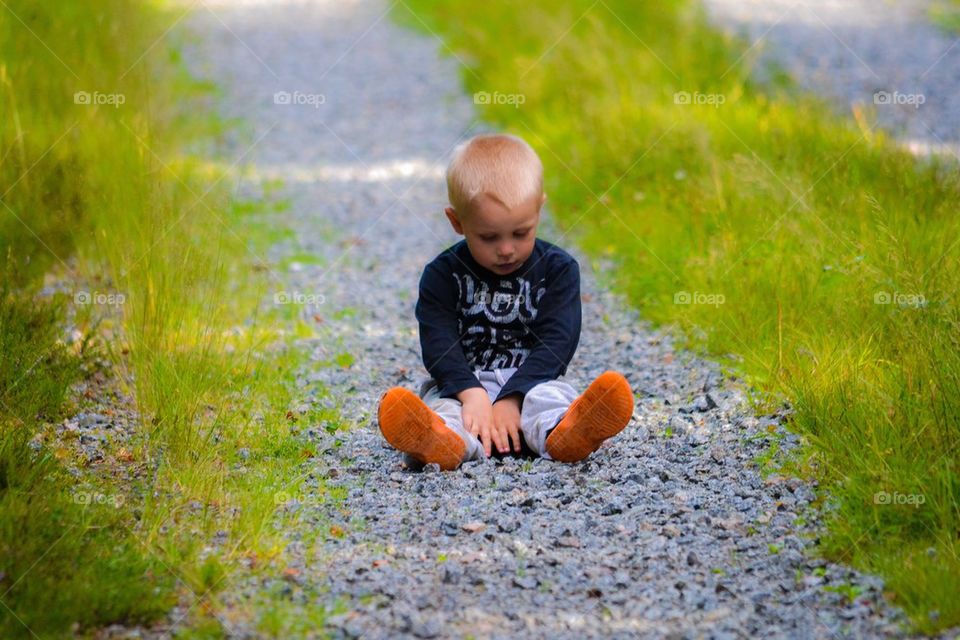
500, 166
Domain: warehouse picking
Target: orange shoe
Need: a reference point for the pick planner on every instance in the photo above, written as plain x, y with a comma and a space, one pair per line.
411, 426
600, 412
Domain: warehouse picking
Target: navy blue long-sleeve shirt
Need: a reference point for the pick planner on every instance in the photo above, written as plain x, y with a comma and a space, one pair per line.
471, 317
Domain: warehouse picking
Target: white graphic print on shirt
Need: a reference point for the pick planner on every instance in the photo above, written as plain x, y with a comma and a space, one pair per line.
494, 324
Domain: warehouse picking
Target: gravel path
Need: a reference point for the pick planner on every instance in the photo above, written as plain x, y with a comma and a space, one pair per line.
668, 530
849, 50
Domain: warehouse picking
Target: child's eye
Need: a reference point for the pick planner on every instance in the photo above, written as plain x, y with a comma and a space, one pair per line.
488, 238
521, 234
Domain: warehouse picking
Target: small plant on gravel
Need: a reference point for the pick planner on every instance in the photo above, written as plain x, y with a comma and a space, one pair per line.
847, 590
769, 460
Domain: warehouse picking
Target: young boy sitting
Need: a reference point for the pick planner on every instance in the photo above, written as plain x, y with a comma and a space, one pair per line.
499, 315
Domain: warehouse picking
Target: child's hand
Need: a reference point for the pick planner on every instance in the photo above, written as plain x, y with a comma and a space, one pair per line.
477, 414
506, 423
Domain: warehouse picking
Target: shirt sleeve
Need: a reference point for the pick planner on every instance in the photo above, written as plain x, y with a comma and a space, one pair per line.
556, 330
436, 313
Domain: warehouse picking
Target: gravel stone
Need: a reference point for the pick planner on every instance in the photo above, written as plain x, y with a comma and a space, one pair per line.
640, 540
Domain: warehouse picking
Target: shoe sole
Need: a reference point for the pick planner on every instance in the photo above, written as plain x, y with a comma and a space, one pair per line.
409, 425
599, 413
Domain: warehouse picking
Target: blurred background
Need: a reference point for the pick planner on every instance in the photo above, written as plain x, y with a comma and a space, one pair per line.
204, 206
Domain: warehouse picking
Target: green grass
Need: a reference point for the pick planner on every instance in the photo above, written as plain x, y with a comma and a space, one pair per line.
163, 279
67, 555
805, 251
67, 558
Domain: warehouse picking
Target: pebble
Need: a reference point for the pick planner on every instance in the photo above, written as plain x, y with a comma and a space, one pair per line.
499, 548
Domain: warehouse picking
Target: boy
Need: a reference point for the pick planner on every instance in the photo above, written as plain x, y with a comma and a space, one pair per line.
499, 315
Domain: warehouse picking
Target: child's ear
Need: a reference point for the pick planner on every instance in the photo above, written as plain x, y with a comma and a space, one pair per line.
454, 221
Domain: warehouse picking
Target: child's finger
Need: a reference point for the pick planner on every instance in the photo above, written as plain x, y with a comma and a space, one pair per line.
505, 437
485, 439
515, 437
500, 437
495, 435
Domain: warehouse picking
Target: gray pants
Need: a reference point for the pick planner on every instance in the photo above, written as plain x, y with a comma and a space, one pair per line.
543, 407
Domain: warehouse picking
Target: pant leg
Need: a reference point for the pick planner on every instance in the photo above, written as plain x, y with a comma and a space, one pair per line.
493, 381
543, 407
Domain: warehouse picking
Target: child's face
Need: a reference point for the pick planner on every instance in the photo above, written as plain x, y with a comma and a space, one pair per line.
500, 239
